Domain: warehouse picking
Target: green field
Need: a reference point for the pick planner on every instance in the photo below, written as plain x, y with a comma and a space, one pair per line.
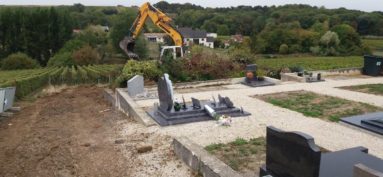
28, 81
312, 63
376, 45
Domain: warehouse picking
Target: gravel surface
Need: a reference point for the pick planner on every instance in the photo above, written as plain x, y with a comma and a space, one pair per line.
329, 135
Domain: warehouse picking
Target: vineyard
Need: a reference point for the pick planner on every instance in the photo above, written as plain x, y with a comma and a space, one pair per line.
28, 81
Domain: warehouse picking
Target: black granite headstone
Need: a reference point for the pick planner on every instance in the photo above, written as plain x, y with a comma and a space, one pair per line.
184, 103
196, 103
165, 93
291, 154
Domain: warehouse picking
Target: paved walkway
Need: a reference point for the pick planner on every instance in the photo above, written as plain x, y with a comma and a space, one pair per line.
332, 136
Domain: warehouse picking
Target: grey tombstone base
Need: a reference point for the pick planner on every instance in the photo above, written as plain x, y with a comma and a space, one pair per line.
136, 85
165, 93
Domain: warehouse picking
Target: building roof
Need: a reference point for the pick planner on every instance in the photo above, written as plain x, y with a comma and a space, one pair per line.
190, 33
159, 35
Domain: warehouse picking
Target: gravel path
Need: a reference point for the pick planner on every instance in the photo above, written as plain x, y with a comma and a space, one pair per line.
332, 136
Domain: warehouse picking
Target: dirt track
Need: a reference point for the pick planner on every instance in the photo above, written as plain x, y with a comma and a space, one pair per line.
75, 133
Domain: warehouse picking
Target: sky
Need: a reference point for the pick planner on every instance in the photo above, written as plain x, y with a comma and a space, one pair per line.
364, 5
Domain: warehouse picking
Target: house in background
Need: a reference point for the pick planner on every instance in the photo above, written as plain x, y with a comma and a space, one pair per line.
196, 37
155, 37
238, 38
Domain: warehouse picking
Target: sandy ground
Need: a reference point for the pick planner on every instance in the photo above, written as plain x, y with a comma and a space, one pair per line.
75, 133
329, 135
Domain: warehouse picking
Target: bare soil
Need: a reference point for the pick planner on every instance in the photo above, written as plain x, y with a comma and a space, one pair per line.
76, 133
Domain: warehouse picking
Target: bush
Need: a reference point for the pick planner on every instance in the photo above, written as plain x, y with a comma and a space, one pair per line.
148, 69
86, 55
61, 59
241, 55
284, 49
18, 61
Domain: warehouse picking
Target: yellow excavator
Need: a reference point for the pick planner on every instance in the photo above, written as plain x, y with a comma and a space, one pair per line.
162, 21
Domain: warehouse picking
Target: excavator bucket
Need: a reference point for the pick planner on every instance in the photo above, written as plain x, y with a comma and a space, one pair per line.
127, 44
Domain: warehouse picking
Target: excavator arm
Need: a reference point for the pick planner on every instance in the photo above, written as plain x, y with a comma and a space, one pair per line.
160, 19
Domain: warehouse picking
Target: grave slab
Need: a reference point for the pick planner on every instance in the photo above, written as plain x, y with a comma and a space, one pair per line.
372, 122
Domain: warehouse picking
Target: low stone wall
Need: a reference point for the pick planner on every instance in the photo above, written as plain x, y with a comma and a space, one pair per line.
110, 97
198, 159
126, 104
342, 71
286, 77
207, 83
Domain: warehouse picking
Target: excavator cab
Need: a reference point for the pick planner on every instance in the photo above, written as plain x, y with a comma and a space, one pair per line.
176, 51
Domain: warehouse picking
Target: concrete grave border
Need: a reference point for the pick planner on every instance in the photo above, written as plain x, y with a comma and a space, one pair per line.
198, 159
127, 105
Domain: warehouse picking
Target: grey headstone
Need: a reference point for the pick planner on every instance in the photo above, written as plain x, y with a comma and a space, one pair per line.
9, 97
229, 103
136, 85
2, 96
165, 93
291, 154
196, 103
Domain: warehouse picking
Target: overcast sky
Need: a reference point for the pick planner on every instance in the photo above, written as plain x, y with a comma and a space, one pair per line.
365, 5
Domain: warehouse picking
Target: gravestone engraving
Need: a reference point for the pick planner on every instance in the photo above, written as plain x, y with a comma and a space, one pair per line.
291, 154
196, 103
165, 93
136, 85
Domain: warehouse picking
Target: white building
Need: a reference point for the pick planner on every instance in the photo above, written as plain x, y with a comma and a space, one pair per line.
196, 37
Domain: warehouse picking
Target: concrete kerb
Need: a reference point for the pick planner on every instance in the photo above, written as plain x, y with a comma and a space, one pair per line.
200, 160
127, 105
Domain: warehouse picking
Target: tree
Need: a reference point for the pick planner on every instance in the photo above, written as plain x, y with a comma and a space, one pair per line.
284, 49
18, 61
86, 55
223, 30
329, 43
349, 39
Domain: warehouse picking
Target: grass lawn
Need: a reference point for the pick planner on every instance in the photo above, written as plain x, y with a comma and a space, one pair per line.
376, 89
312, 63
315, 105
376, 45
241, 155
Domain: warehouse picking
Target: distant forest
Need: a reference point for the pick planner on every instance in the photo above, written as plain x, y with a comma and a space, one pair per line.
248, 20
43, 32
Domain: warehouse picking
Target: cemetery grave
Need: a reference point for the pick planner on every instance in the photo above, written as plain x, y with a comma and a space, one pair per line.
296, 154
315, 105
253, 80
372, 122
244, 156
171, 111
376, 89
